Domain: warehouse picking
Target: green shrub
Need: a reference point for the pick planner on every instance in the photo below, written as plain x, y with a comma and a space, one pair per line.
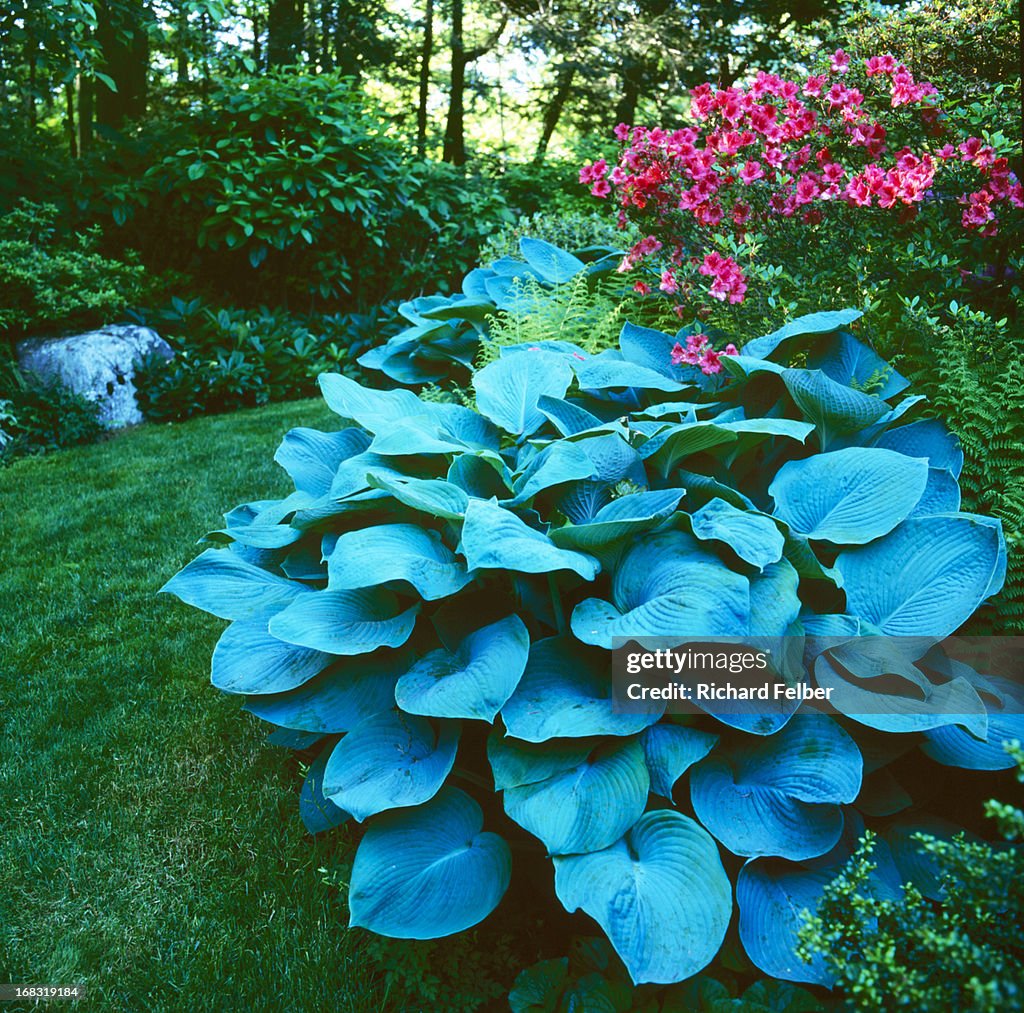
289, 188
53, 282
38, 416
955, 946
432, 608
572, 231
229, 358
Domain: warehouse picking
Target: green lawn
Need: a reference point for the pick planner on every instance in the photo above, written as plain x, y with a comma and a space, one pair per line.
151, 846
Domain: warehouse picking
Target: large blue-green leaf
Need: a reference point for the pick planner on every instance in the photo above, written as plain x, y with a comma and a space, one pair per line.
849, 362
515, 762
812, 323
874, 680
219, 582
848, 497
927, 438
660, 894
834, 409
649, 348
568, 418
666, 585
390, 760
670, 750
773, 894
432, 496
605, 370
779, 795
496, 538
311, 458
678, 442
428, 872
557, 464
338, 698
588, 807
941, 495
507, 391
438, 429
479, 477
925, 578
955, 746
565, 692
753, 537
345, 622
618, 520
247, 659
318, 813
774, 604
552, 264
375, 555
471, 682
366, 407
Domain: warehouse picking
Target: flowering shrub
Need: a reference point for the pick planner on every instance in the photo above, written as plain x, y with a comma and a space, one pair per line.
856, 138
444, 577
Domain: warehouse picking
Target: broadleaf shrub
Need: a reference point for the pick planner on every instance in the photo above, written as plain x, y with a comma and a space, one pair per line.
442, 588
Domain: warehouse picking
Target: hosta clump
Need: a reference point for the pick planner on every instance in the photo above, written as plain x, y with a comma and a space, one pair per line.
441, 574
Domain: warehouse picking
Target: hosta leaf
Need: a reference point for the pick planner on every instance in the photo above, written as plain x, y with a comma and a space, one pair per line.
566, 693
318, 813
507, 391
568, 418
432, 496
552, 264
774, 604
670, 750
752, 536
472, 682
311, 458
515, 762
847, 361
850, 496
812, 323
605, 370
925, 578
219, 582
557, 464
338, 698
649, 348
622, 518
666, 585
428, 872
345, 622
376, 555
779, 795
539, 988
588, 807
368, 408
660, 894
941, 495
834, 409
927, 438
496, 538
773, 894
247, 659
390, 760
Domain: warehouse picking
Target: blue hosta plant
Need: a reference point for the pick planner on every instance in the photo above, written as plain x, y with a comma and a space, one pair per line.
432, 609
445, 331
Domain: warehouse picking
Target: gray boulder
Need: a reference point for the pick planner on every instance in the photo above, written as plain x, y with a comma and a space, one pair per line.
98, 365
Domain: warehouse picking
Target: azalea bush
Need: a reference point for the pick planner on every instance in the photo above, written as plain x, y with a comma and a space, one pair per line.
430, 613
756, 192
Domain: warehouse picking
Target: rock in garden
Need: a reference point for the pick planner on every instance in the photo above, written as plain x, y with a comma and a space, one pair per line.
97, 365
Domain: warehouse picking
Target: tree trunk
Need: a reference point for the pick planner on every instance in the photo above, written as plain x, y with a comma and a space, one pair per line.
181, 44
284, 32
85, 112
426, 52
124, 43
69, 119
625, 109
326, 35
552, 114
454, 131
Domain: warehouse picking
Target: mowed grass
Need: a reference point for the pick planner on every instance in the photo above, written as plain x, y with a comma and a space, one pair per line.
150, 844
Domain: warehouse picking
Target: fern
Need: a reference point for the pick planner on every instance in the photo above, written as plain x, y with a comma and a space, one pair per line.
975, 379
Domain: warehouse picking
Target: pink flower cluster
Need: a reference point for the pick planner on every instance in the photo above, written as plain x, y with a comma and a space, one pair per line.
783, 149
698, 352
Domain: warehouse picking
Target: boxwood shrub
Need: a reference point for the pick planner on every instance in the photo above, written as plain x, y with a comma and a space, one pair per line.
432, 609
